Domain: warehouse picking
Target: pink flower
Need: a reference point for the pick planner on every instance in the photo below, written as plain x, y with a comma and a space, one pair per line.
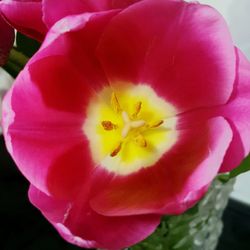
35, 17
6, 40
124, 116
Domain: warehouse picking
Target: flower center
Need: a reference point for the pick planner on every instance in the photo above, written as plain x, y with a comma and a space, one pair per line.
132, 128
129, 128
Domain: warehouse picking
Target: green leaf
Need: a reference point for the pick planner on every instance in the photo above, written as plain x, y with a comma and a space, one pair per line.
224, 177
244, 167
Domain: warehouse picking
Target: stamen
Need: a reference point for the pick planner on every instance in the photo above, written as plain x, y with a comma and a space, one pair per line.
108, 125
115, 103
137, 109
156, 124
117, 150
140, 141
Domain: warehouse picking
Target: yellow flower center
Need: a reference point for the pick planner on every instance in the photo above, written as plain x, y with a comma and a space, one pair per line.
129, 127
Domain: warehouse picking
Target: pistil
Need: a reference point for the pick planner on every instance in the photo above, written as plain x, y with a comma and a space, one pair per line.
129, 127
128, 124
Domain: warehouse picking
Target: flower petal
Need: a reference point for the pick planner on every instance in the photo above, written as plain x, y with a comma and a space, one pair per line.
80, 225
37, 112
68, 36
70, 172
237, 112
56, 9
25, 16
176, 182
45, 111
185, 51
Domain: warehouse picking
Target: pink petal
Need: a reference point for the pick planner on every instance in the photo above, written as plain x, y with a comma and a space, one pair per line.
70, 172
50, 97
6, 40
237, 111
45, 110
176, 182
184, 51
54, 76
80, 225
57, 9
37, 131
68, 36
25, 16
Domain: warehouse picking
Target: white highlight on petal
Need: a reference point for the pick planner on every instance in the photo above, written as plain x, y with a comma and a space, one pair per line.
69, 236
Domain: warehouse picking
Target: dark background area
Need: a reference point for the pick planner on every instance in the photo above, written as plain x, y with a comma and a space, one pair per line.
22, 227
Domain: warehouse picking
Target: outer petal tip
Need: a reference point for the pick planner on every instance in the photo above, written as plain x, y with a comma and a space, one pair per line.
237, 111
80, 225
31, 24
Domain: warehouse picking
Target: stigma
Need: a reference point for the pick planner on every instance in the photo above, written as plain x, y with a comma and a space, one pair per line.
130, 124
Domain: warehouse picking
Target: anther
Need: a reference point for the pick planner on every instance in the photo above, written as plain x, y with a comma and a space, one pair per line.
117, 150
108, 125
115, 103
137, 109
156, 124
140, 141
